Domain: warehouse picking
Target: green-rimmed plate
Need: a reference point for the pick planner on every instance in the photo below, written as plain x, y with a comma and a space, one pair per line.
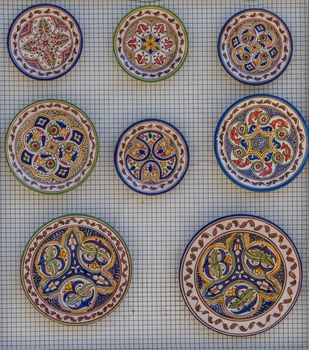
151, 43
76, 269
51, 146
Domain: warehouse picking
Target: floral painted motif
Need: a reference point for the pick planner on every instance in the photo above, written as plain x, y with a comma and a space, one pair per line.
255, 46
151, 43
77, 270
240, 275
45, 42
262, 142
51, 146
151, 157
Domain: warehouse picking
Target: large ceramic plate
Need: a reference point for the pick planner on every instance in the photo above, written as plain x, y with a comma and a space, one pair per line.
240, 275
261, 142
51, 146
76, 269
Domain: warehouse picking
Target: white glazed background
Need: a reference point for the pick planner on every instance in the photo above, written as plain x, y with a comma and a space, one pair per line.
156, 229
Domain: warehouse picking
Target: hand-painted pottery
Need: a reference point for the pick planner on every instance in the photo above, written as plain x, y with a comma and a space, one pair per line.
151, 156
261, 142
150, 43
76, 269
51, 146
45, 41
255, 46
240, 275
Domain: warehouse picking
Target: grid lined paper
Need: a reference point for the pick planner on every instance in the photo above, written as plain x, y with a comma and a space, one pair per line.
156, 229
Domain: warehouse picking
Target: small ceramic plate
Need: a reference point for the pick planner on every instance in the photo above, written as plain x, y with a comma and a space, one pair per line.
261, 142
150, 43
76, 269
51, 146
45, 41
240, 275
151, 156
255, 46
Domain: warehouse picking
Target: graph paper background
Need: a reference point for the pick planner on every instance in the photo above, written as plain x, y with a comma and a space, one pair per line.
156, 229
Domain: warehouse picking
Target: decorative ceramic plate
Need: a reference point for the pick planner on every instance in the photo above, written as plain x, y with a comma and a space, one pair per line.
51, 146
150, 43
76, 269
240, 275
255, 46
261, 142
151, 156
45, 41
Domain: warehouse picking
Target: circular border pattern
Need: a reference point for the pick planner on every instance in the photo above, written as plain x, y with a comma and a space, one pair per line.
142, 76
40, 76
48, 229
265, 99
278, 22
11, 159
203, 238
126, 178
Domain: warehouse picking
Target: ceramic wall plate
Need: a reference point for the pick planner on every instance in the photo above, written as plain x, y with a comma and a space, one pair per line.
240, 275
255, 46
151, 156
151, 43
76, 269
51, 146
45, 41
261, 142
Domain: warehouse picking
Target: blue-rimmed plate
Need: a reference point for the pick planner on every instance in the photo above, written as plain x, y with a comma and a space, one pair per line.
240, 275
255, 46
261, 142
45, 41
151, 156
